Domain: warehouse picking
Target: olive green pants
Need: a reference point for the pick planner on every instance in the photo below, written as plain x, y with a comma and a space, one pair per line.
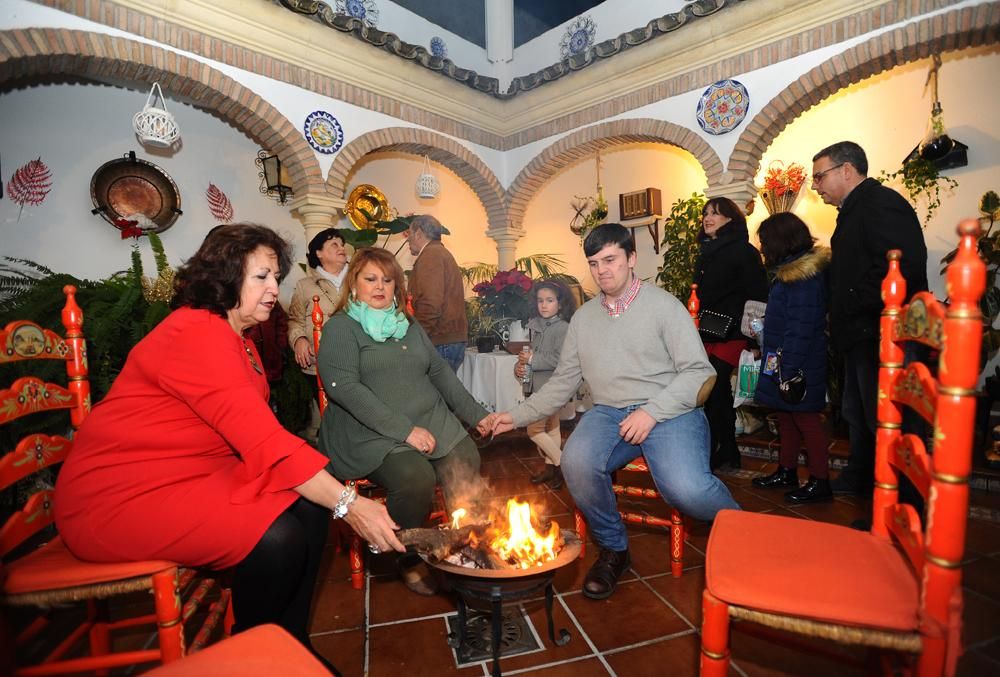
409, 477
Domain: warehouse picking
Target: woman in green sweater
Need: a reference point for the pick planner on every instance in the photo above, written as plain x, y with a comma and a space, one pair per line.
393, 403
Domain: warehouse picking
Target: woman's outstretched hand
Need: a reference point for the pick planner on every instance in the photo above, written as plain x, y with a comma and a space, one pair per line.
371, 521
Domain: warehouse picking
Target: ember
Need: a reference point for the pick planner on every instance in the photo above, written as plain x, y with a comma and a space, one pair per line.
512, 540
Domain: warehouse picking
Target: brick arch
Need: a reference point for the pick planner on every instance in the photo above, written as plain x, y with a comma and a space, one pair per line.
585, 142
34, 54
954, 30
442, 149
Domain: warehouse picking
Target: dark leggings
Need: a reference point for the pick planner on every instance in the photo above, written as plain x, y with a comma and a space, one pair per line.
721, 416
794, 427
274, 583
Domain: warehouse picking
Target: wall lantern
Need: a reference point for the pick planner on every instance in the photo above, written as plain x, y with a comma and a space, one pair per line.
274, 180
428, 186
154, 125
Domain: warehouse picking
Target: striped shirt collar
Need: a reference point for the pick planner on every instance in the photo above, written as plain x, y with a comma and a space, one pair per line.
625, 300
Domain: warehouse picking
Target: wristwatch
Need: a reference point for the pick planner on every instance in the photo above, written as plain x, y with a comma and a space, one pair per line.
347, 496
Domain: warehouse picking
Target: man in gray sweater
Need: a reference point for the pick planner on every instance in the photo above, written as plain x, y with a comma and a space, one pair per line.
639, 351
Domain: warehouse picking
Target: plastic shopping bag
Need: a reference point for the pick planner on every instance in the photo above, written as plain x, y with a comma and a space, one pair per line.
747, 373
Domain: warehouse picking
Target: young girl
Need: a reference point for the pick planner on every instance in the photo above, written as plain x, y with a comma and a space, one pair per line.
554, 305
795, 336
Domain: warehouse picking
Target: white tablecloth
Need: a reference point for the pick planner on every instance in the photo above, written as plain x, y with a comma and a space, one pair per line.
490, 379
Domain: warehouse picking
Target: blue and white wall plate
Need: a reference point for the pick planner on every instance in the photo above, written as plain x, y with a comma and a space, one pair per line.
579, 37
439, 48
323, 132
723, 106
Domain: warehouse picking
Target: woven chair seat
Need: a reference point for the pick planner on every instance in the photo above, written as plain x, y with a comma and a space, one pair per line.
745, 549
51, 574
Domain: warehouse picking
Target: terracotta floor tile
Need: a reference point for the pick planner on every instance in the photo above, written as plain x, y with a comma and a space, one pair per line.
982, 537
346, 650
638, 616
977, 664
677, 656
834, 512
591, 667
756, 500
390, 600
415, 649
980, 575
980, 618
651, 553
760, 657
683, 593
337, 606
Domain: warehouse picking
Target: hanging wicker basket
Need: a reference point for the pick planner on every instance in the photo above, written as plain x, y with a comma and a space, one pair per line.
428, 186
154, 125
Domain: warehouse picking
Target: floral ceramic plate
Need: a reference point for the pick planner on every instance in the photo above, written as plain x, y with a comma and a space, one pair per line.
723, 106
323, 132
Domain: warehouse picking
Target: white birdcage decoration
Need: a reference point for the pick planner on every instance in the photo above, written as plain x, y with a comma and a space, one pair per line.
153, 124
427, 184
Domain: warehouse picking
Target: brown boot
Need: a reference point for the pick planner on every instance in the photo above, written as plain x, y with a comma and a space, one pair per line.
545, 476
557, 482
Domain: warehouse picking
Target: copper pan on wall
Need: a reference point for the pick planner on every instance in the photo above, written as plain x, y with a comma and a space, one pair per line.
132, 189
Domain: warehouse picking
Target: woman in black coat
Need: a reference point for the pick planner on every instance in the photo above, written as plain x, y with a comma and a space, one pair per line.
795, 338
729, 274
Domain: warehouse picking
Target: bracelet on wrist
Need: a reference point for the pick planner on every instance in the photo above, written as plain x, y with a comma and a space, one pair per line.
347, 497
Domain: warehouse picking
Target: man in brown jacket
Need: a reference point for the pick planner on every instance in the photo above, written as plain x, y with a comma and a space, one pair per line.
437, 290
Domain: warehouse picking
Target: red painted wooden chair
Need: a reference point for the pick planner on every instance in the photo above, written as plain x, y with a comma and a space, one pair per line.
363, 485
903, 590
676, 521
47, 575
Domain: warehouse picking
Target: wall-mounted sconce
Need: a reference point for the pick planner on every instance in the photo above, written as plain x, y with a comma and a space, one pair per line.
154, 125
274, 180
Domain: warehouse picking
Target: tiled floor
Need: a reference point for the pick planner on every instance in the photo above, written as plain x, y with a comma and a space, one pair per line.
649, 626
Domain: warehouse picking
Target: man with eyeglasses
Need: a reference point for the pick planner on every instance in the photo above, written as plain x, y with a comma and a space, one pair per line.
872, 220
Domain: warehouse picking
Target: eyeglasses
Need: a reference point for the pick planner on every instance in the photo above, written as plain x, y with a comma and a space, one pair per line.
819, 176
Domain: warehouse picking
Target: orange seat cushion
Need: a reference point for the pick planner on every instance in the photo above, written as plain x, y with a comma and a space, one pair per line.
813, 570
53, 567
259, 652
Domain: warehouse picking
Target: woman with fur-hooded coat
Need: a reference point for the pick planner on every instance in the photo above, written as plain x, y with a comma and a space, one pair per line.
795, 325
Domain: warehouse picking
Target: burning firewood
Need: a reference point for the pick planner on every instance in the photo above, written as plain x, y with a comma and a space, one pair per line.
437, 544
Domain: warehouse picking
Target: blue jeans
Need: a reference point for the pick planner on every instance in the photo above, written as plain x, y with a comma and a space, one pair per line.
676, 452
453, 354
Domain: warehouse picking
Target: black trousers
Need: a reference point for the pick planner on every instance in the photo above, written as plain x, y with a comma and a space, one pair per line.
275, 582
722, 417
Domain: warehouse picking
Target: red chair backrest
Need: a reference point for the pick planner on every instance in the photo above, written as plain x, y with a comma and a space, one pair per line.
23, 340
948, 402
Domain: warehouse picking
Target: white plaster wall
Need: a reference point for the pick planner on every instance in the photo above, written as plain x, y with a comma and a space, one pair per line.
75, 128
417, 30
294, 103
634, 167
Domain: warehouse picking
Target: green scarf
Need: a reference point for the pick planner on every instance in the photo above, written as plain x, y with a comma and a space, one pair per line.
379, 324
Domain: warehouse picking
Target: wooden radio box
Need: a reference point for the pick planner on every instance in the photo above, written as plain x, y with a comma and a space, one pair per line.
640, 203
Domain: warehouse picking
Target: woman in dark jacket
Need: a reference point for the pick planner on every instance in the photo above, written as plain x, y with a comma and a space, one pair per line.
729, 274
794, 339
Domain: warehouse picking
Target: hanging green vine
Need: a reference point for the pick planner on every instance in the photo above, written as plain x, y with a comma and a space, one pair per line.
921, 177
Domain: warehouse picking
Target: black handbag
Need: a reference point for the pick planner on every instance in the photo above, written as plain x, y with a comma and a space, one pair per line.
791, 390
715, 325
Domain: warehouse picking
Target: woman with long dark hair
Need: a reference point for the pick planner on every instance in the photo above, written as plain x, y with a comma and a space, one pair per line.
729, 274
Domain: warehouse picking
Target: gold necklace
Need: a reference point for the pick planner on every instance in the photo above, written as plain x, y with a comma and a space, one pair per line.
253, 360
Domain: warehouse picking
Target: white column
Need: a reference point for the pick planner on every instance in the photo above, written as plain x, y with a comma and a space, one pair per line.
506, 246
316, 211
499, 30
742, 191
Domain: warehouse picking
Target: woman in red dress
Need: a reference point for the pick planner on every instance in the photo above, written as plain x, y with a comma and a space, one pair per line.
184, 460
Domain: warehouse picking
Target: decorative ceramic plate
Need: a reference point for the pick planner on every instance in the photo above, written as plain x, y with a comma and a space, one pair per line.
366, 198
723, 106
132, 189
323, 132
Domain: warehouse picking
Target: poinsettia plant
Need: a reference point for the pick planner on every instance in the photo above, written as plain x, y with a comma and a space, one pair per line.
780, 179
506, 296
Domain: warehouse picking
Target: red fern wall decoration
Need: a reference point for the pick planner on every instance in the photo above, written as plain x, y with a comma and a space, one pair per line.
30, 184
219, 204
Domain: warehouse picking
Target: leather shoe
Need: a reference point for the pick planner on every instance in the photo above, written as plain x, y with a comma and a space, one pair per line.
602, 579
420, 580
813, 491
782, 477
545, 476
556, 482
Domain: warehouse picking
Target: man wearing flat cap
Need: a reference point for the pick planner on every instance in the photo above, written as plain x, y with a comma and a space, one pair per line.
437, 290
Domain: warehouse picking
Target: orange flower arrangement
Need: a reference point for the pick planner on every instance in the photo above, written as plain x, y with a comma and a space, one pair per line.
781, 186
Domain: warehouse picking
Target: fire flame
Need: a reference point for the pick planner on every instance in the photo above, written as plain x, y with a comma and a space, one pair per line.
456, 518
518, 541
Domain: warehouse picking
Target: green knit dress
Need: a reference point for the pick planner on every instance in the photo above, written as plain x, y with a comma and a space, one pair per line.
379, 391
